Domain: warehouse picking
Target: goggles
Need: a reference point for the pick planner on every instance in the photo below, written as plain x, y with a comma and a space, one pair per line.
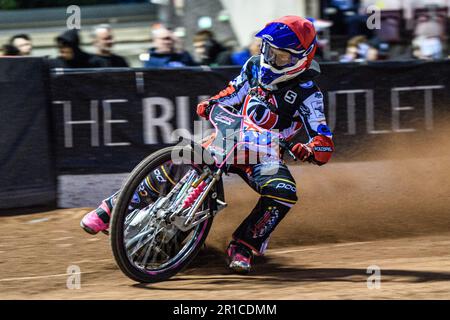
278, 58
283, 58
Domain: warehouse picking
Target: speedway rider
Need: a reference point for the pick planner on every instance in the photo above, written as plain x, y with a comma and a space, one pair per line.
276, 91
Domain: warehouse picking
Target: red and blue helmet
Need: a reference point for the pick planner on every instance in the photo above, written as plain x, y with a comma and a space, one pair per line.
288, 48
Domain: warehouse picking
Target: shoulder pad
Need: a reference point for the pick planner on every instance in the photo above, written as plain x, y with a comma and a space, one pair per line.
251, 68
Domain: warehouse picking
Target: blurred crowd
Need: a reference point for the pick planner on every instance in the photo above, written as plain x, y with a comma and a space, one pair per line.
70, 53
166, 50
426, 39
413, 29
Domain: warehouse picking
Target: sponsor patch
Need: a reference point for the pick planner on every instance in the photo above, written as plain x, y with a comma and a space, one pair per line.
318, 108
255, 71
266, 223
286, 186
323, 149
307, 85
224, 119
142, 192
268, 37
136, 199
305, 111
159, 176
290, 97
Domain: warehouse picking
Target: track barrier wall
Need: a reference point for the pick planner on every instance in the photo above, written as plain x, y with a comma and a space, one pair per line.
27, 168
106, 121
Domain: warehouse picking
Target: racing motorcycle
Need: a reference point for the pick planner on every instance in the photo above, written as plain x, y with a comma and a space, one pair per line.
155, 238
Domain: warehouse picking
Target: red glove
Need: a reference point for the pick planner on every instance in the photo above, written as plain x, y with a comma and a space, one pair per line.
319, 150
302, 152
203, 109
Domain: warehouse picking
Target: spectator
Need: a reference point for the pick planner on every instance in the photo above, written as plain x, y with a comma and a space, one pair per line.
103, 41
383, 50
346, 16
428, 40
22, 42
70, 54
9, 50
241, 57
359, 49
429, 29
209, 51
427, 48
164, 53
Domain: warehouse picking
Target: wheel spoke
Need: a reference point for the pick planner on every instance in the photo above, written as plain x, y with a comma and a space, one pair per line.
151, 239
151, 245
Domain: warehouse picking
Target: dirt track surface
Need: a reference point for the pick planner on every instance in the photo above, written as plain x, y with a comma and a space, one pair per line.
392, 214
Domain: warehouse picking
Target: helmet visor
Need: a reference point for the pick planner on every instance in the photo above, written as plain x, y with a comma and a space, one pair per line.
278, 58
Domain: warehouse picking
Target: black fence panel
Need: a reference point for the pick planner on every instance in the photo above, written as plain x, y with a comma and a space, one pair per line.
107, 121
368, 105
27, 170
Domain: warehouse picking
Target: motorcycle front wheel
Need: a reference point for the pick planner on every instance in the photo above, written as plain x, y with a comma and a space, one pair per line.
146, 248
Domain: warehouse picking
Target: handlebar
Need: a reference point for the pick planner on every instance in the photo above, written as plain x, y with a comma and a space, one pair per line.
286, 145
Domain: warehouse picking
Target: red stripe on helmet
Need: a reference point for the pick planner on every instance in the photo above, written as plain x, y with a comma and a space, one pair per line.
303, 66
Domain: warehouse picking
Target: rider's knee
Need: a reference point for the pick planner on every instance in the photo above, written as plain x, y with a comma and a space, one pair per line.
283, 190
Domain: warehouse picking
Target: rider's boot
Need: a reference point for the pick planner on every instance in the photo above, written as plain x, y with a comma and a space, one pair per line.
98, 219
239, 257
